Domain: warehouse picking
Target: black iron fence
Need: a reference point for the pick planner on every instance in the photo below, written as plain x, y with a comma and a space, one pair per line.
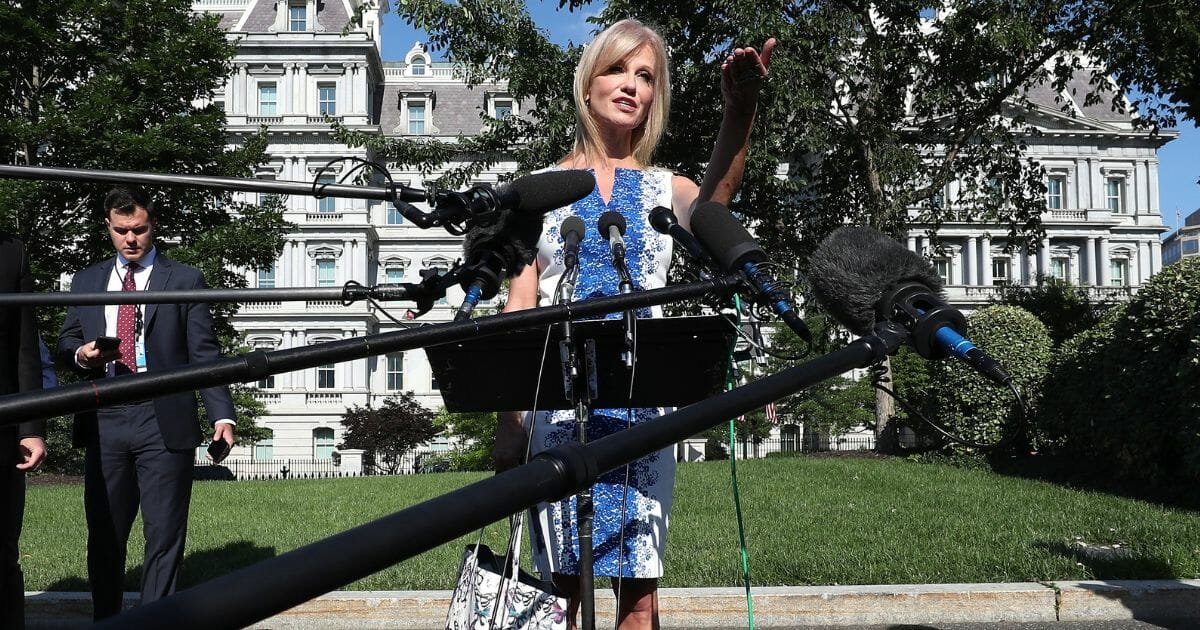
231, 469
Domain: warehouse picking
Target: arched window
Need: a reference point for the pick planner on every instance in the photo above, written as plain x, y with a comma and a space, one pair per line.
323, 443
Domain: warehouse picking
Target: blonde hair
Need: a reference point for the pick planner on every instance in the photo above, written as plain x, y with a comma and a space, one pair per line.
615, 44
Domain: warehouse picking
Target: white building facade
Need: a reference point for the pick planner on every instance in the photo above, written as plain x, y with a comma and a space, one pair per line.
295, 70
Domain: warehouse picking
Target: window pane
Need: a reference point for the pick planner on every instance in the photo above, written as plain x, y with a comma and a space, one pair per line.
267, 383
325, 273
323, 443
1000, 268
395, 372
1115, 194
394, 217
326, 205
267, 99
1054, 192
418, 67
394, 274
264, 450
327, 99
1191, 246
1058, 268
297, 18
416, 117
942, 265
266, 278
1116, 272
326, 377
503, 109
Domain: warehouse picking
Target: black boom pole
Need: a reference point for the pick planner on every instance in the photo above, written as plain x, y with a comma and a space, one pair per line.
272, 586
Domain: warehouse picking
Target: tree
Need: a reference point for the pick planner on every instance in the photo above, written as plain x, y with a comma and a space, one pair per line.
389, 431
476, 432
1065, 309
922, 95
126, 86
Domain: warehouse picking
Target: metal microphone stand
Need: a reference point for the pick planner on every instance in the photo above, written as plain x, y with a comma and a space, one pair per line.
579, 389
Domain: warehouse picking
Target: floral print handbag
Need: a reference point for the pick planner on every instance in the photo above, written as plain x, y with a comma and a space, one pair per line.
485, 579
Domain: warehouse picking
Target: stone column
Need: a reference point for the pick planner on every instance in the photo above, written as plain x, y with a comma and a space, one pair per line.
1044, 257
1153, 205
1092, 262
1102, 262
1155, 255
1144, 264
286, 105
971, 266
985, 261
1031, 271
912, 244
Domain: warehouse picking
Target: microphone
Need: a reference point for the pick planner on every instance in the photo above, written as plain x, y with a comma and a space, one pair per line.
664, 221
572, 233
492, 252
735, 250
531, 195
861, 276
612, 226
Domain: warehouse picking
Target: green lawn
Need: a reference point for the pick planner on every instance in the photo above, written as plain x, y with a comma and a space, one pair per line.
808, 520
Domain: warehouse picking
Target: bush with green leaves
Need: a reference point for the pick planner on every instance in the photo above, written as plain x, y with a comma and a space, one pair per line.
1128, 391
978, 410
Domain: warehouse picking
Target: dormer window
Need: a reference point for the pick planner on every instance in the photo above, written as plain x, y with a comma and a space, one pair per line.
297, 17
417, 60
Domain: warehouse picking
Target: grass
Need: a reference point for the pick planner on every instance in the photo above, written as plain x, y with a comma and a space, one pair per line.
808, 521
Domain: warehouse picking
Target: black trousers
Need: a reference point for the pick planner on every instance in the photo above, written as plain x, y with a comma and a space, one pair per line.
128, 467
12, 508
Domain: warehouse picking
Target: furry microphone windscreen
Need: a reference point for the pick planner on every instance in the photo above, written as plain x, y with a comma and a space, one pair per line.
854, 267
513, 238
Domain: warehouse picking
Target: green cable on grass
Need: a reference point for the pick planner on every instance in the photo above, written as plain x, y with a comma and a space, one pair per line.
737, 501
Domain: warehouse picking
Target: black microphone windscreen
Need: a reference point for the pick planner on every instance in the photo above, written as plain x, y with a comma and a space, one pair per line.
513, 237
572, 224
661, 219
540, 193
609, 219
854, 267
724, 236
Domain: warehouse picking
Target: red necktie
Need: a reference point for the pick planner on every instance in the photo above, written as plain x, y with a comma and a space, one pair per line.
127, 326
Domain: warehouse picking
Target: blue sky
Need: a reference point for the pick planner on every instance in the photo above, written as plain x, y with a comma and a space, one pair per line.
1179, 160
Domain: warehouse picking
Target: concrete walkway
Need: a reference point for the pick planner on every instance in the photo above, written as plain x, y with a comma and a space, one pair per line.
774, 607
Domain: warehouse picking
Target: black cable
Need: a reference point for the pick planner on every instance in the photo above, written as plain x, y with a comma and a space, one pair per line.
1004, 441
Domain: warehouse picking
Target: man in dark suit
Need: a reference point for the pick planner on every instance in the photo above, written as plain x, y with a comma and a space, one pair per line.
139, 452
22, 446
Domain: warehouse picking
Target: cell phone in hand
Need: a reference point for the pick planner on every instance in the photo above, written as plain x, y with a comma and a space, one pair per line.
219, 450
108, 344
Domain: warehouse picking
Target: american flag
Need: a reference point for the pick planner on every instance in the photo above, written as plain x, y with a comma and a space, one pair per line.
772, 416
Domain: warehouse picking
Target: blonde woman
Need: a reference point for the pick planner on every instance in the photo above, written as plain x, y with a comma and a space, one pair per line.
622, 98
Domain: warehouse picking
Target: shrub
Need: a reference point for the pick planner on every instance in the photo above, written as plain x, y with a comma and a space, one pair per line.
1130, 389
973, 407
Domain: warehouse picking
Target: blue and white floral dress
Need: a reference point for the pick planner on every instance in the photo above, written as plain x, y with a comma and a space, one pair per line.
631, 513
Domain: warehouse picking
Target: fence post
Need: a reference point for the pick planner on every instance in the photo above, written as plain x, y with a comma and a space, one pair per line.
352, 462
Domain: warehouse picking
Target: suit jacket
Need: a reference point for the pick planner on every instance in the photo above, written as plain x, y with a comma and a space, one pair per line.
20, 360
175, 335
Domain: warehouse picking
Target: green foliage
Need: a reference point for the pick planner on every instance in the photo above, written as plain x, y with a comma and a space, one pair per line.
390, 431
973, 407
920, 104
476, 432
125, 86
1127, 390
1064, 308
